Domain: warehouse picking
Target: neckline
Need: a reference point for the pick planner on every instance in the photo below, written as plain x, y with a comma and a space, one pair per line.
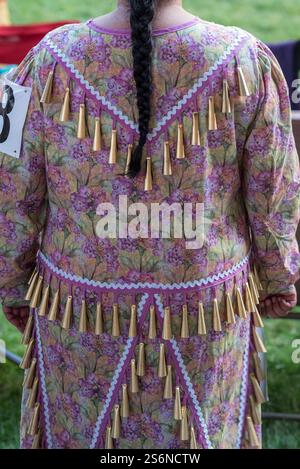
155, 32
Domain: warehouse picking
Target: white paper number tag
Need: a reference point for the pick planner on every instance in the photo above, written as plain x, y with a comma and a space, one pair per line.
14, 103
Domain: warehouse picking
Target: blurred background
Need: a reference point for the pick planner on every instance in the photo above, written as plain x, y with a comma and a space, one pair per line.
275, 22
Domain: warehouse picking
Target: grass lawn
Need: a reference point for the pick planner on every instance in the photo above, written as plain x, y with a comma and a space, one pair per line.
271, 20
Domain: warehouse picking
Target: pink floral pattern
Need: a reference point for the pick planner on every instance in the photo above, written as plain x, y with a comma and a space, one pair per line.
246, 173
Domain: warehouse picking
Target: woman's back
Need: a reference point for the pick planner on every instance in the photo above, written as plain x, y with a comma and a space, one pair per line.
115, 291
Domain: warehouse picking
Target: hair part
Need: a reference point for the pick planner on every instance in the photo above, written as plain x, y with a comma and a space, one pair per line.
141, 15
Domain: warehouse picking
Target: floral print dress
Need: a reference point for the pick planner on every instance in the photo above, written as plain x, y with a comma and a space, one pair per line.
141, 342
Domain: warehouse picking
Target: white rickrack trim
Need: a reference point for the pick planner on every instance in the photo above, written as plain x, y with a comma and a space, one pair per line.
244, 388
43, 382
186, 378
238, 37
88, 86
115, 377
140, 285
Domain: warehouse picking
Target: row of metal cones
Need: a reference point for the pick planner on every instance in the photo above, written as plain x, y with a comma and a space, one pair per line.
246, 302
83, 132
187, 430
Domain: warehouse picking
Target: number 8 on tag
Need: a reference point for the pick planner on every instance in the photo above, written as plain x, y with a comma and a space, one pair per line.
14, 103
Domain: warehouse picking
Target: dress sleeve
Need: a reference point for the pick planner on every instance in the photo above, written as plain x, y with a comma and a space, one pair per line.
271, 179
23, 194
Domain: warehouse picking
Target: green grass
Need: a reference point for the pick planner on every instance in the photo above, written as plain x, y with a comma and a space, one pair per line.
271, 20
283, 382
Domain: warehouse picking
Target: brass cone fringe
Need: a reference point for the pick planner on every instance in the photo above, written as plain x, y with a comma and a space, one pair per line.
201, 319
97, 135
152, 323
47, 93
115, 332
254, 442
196, 139
258, 343
65, 110
193, 440
259, 396
44, 302
26, 361
216, 317
108, 438
66, 323
113, 148
162, 367
83, 321
54, 307
133, 322
29, 377
116, 426
35, 300
28, 330
33, 394
168, 389
141, 360
31, 287
99, 319
177, 404
125, 402
184, 428
180, 153
230, 317
184, 323
167, 333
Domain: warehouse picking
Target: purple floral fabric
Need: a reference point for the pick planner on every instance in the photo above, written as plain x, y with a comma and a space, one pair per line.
246, 173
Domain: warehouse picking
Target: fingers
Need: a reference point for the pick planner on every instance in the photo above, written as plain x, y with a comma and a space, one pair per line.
275, 307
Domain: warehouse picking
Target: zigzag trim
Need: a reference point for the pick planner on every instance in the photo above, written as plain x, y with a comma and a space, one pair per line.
173, 113
207, 281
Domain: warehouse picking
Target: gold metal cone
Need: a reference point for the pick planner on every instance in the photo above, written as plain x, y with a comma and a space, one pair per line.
196, 139
259, 395
31, 287
162, 366
54, 307
97, 135
212, 120
140, 371
66, 322
184, 427
47, 93
133, 322
29, 377
254, 443
116, 425
36, 441
125, 402
129, 156
115, 331
184, 334
230, 317
257, 280
216, 317
258, 343
243, 88
180, 153
177, 404
240, 304
108, 438
257, 320
26, 360
33, 394
31, 277
35, 300
255, 411
148, 179
65, 110
259, 373
152, 323
249, 303
83, 322
113, 147
44, 302
167, 160
34, 423
99, 319
134, 384
81, 130
28, 330
226, 105
253, 288
168, 389
201, 319
167, 330
193, 440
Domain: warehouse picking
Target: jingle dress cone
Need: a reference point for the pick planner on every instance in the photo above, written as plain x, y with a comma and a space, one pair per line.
184, 369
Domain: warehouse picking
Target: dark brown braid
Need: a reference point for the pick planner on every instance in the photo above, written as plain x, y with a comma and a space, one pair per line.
141, 16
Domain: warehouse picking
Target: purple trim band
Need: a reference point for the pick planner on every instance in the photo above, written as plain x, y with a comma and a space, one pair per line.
155, 32
208, 282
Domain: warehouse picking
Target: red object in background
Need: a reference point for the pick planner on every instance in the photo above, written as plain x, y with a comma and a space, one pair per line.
16, 41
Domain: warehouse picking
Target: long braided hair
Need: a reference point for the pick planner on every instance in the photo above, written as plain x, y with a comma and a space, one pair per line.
141, 16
